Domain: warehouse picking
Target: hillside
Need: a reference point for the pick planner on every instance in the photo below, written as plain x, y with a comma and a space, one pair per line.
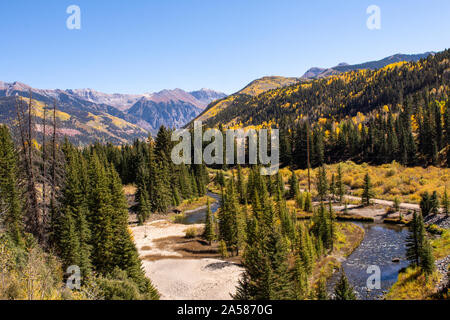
371, 65
260, 86
335, 97
87, 115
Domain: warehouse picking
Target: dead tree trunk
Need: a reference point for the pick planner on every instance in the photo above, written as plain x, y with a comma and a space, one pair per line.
34, 222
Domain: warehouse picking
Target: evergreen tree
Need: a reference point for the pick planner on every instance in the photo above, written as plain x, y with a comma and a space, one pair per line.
73, 230
343, 290
434, 203
367, 192
415, 239
100, 217
429, 204
294, 189
426, 258
333, 187
322, 187
10, 205
445, 202
321, 292
308, 202
241, 186
223, 250
209, 233
339, 184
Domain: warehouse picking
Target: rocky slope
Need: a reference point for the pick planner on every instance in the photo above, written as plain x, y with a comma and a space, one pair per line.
86, 115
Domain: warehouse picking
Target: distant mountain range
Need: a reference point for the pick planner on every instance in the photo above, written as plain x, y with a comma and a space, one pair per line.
371, 65
87, 115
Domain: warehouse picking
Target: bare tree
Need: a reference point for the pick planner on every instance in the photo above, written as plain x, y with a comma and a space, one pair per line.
33, 214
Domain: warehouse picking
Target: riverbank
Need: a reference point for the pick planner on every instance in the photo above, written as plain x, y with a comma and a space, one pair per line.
413, 285
348, 237
184, 269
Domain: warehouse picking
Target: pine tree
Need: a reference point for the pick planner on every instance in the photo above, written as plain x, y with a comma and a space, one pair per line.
223, 250
280, 282
429, 204
308, 202
10, 205
300, 279
143, 211
73, 230
343, 290
415, 239
333, 187
322, 187
209, 233
228, 215
294, 189
427, 258
124, 253
434, 203
300, 200
241, 186
445, 202
339, 184
367, 192
321, 291
101, 212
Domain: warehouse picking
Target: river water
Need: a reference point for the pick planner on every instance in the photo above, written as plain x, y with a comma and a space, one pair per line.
198, 216
382, 243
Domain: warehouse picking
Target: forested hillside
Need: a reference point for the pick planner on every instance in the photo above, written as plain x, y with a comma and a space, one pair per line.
63, 206
399, 112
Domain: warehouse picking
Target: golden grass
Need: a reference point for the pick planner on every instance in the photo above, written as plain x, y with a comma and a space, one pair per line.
441, 245
413, 285
389, 180
192, 204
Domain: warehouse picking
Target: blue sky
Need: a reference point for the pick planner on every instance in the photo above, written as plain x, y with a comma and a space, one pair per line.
142, 46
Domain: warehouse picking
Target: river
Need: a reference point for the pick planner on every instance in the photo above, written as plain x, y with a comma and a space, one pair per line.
381, 244
198, 215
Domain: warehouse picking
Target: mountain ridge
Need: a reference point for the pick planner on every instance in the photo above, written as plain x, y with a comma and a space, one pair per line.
258, 86
91, 115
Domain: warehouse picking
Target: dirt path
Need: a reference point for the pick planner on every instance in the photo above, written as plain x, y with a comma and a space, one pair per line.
183, 269
406, 206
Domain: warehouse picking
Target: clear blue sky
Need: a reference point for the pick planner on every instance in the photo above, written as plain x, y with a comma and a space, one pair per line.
141, 46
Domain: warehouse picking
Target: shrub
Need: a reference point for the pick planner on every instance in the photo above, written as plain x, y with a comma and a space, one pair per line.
118, 287
191, 232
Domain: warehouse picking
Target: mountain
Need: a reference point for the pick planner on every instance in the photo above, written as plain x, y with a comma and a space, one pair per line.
254, 88
82, 121
206, 96
116, 100
86, 115
371, 65
172, 108
262, 85
360, 91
